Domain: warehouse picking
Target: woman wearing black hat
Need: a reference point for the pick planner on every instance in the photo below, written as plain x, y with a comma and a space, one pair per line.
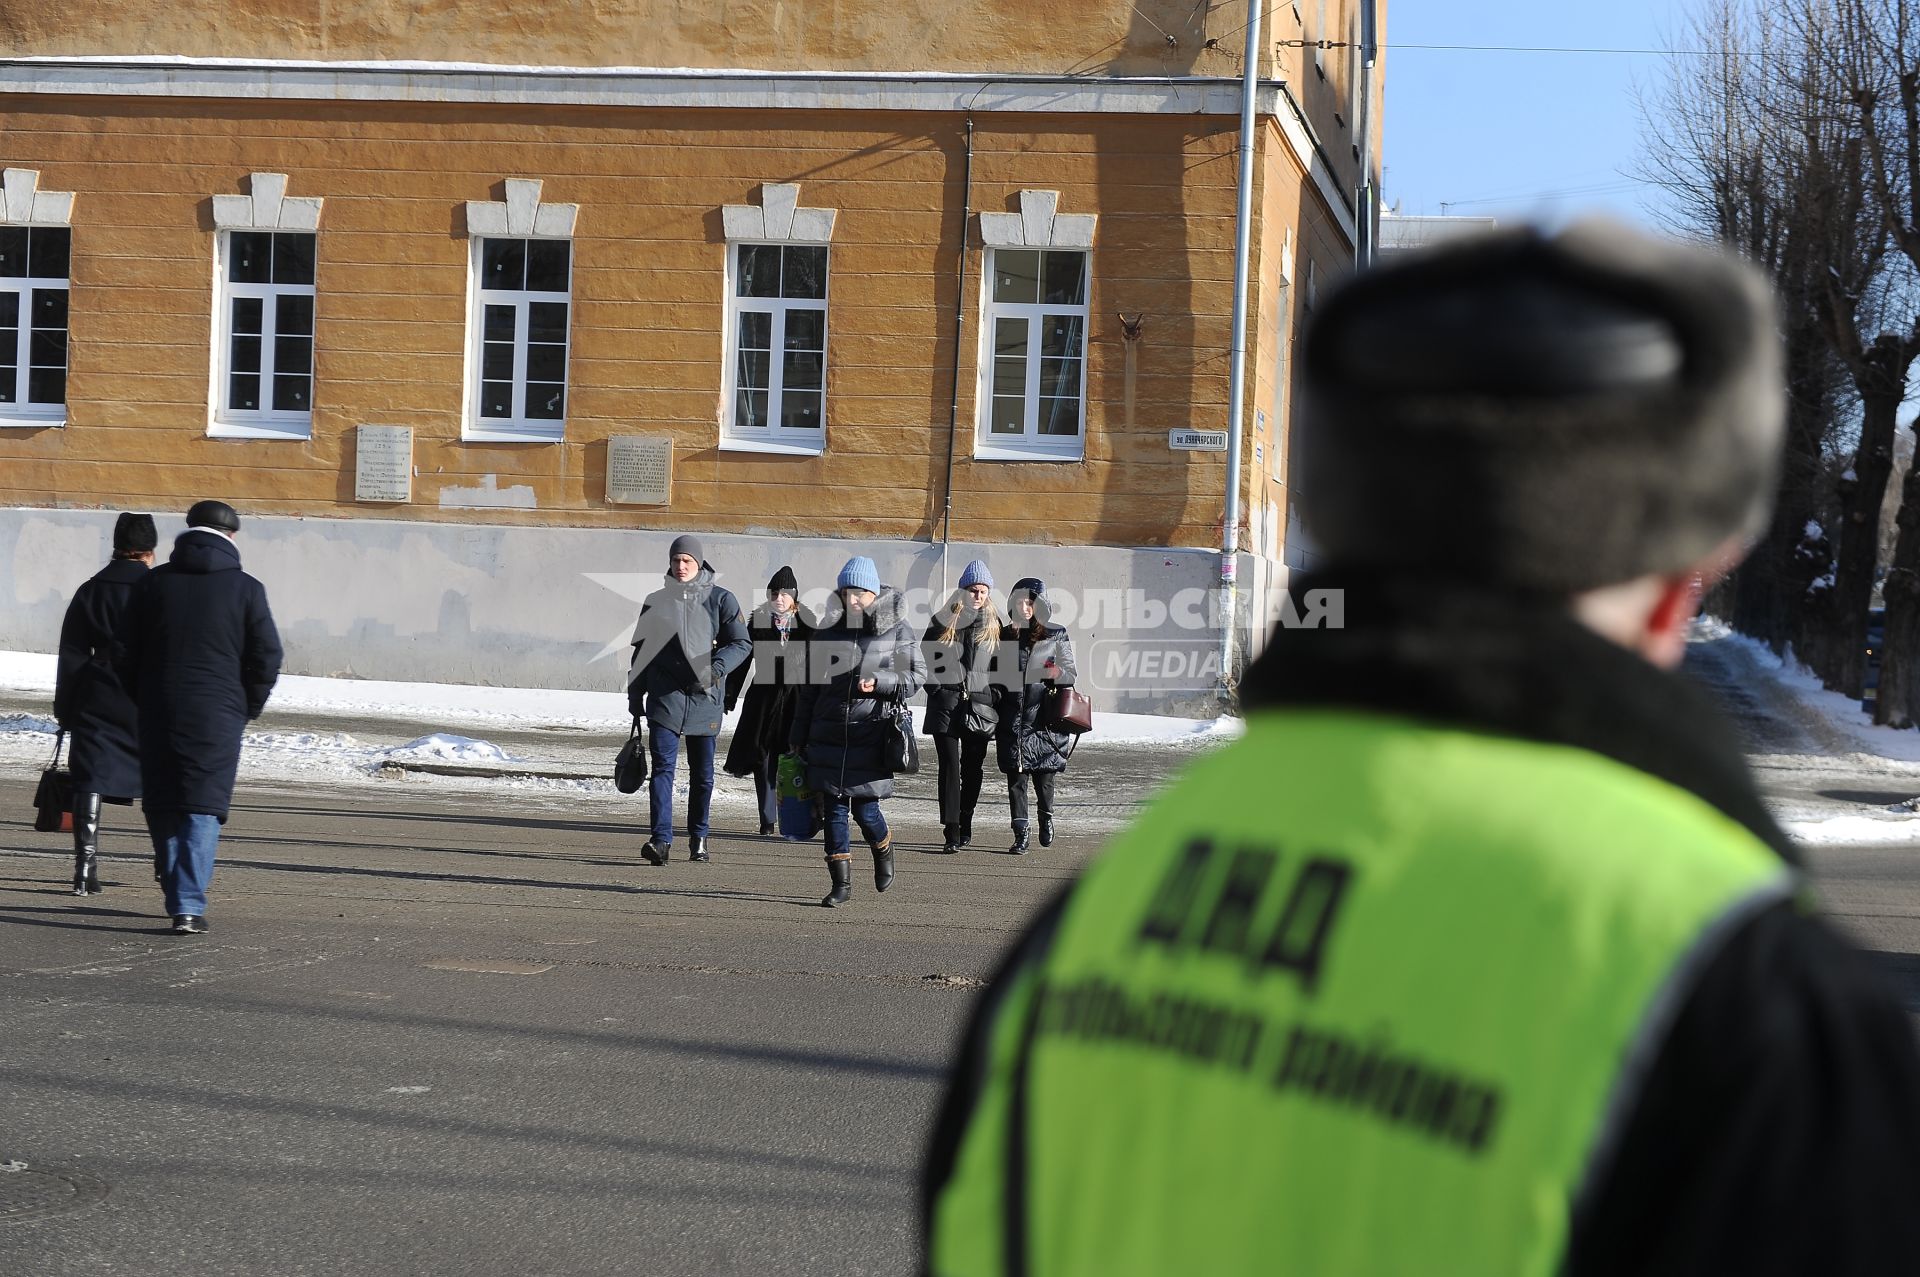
89, 700
1026, 747
779, 629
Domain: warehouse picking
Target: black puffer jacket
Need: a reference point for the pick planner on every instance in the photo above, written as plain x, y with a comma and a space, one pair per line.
778, 671
689, 637
198, 652
87, 696
841, 731
961, 676
1045, 662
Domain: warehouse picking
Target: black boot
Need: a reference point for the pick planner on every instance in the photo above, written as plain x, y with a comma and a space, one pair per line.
86, 844
966, 833
697, 850
953, 842
1046, 828
841, 869
1019, 847
883, 864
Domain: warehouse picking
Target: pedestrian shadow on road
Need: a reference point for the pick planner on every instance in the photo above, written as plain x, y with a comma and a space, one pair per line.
78, 919
541, 884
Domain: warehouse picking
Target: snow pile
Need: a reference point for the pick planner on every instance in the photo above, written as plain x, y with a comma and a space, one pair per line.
1854, 831
28, 723
444, 747
1151, 729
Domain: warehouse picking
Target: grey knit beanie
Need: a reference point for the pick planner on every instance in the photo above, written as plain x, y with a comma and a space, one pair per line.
1542, 413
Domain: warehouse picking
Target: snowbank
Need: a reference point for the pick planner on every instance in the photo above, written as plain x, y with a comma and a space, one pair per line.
1842, 713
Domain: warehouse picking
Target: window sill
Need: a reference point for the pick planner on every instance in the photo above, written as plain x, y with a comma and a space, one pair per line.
11, 421
555, 433
809, 446
995, 451
297, 432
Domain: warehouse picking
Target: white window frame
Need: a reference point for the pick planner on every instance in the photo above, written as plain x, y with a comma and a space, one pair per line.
1030, 444
771, 438
21, 413
226, 421
519, 428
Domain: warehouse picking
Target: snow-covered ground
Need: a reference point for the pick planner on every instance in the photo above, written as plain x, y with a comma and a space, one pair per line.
560, 758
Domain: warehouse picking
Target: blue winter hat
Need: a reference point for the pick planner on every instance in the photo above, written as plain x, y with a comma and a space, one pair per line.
976, 573
859, 574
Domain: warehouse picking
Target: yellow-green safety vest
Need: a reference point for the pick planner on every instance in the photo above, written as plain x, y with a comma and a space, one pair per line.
1355, 995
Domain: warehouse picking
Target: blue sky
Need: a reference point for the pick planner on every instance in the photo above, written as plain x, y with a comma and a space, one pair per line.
1520, 136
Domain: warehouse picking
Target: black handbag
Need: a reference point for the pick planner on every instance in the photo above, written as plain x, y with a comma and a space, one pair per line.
630, 764
53, 798
903, 747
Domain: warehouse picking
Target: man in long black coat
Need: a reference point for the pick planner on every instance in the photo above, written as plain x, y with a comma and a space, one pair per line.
200, 654
88, 699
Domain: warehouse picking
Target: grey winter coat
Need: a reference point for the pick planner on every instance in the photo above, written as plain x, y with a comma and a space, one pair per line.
841, 731
1022, 744
689, 637
87, 696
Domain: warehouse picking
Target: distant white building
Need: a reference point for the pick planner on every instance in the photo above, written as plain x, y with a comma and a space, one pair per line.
1400, 232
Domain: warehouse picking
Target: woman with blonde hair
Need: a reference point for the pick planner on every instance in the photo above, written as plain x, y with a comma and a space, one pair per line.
962, 648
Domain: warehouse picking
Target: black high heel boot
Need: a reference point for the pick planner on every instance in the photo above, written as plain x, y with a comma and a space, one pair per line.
840, 868
86, 845
883, 863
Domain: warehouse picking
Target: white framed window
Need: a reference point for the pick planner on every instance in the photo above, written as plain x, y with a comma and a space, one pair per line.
518, 336
776, 342
33, 324
1033, 384
263, 369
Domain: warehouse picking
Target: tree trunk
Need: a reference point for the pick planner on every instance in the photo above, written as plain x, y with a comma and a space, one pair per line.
1844, 663
1897, 703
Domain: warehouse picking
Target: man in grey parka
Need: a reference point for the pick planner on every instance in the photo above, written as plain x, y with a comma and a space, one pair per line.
689, 637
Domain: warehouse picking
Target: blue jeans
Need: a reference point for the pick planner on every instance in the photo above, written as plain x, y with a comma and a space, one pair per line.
183, 846
866, 812
664, 746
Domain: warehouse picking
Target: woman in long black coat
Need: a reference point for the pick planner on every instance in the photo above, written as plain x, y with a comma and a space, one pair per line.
861, 670
90, 702
779, 629
1028, 750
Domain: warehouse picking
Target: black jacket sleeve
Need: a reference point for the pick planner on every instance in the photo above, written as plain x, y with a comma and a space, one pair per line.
1778, 1130
262, 653
76, 649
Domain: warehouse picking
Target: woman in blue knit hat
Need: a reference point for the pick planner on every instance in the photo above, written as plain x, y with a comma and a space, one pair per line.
1029, 751
862, 668
962, 647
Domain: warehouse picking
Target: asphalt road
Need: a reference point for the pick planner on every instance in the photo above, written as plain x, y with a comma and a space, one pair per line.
431, 1034
458, 1034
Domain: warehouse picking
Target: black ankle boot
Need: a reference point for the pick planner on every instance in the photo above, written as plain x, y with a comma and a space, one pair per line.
966, 833
842, 872
86, 845
1019, 847
883, 865
1046, 829
952, 843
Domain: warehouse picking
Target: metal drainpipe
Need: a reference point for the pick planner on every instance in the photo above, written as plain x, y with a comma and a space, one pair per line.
1365, 197
959, 336
1237, 380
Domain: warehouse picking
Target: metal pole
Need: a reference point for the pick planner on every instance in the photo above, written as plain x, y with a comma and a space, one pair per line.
1237, 379
959, 335
1367, 196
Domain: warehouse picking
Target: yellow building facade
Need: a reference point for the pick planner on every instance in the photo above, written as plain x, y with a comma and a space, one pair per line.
927, 282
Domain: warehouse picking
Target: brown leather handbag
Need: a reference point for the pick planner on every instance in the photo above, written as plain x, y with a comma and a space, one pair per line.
1068, 711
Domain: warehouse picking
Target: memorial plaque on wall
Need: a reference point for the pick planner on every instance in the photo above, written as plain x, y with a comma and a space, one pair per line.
383, 463
639, 470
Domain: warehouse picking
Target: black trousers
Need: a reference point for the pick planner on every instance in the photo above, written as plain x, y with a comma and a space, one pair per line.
1017, 795
962, 763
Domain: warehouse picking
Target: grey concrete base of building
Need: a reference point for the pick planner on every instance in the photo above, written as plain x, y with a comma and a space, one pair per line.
552, 607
